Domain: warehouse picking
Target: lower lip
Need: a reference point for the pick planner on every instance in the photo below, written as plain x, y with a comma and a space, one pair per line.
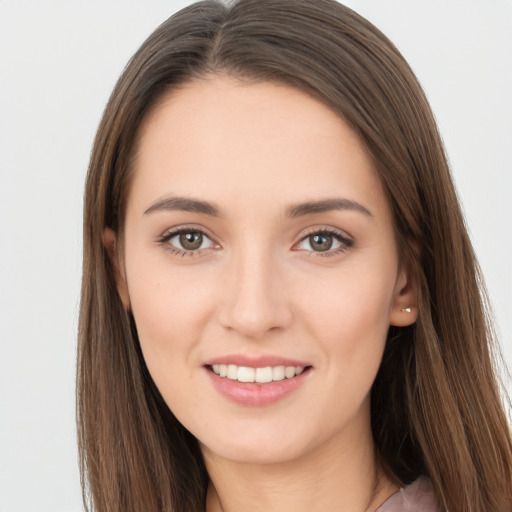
256, 395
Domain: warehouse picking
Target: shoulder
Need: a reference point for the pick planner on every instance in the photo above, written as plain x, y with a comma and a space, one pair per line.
417, 497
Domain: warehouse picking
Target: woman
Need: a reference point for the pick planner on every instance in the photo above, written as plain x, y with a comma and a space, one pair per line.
281, 306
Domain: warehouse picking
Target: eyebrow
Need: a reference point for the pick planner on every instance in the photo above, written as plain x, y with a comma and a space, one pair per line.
186, 204
189, 204
326, 205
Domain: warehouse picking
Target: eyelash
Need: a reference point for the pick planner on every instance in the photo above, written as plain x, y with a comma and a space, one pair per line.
345, 243
165, 239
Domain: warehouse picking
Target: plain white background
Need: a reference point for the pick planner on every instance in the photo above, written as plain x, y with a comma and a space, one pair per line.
58, 63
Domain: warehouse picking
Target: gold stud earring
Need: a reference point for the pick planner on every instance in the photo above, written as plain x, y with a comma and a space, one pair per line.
406, 310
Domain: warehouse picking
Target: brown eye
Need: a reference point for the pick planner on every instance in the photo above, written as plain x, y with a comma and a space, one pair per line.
320, 242
191, 241
188, 242
328, 242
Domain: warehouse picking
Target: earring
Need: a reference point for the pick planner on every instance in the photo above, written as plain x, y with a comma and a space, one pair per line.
406, 310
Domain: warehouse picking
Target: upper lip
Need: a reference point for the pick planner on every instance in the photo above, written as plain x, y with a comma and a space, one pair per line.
255, 361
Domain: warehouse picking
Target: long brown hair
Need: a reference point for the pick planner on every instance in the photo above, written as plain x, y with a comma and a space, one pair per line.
436, 407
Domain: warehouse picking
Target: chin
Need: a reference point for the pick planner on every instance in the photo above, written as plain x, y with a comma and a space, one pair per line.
254, 454
260, 447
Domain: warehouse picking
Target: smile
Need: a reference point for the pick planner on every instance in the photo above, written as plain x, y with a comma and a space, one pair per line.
256, 375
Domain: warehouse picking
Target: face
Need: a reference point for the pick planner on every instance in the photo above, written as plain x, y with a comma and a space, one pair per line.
261, 267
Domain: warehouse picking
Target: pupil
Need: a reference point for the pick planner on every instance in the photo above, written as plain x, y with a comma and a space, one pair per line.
321, 242
191, 241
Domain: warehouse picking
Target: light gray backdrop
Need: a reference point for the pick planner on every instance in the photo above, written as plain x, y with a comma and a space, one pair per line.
58, 63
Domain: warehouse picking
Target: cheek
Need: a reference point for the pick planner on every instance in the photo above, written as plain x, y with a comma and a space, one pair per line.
349, 317
170, 310
348, 302
170, 318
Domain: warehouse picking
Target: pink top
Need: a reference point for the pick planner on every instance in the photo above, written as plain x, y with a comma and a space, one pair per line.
417, 497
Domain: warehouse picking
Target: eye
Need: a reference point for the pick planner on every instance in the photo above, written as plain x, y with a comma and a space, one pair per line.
190, 241
325, 241
187, 241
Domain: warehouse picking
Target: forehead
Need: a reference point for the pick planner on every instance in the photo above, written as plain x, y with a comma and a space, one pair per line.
232, 141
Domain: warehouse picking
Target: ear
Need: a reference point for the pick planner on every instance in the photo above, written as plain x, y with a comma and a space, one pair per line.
404, 310
110, 242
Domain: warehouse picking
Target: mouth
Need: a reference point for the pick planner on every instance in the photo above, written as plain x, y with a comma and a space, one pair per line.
258, 380
257, 375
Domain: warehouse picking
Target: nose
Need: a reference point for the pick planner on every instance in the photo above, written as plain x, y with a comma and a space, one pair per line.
254, 300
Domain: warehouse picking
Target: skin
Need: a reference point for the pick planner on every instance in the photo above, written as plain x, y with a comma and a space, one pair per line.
257, 286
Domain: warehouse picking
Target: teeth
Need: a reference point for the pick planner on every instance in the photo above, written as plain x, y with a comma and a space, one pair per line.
232, 372
246, 374
259, 375
289, 372
278, 373
263, 375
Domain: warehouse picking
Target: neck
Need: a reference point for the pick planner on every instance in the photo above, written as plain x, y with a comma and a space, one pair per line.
340, 477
